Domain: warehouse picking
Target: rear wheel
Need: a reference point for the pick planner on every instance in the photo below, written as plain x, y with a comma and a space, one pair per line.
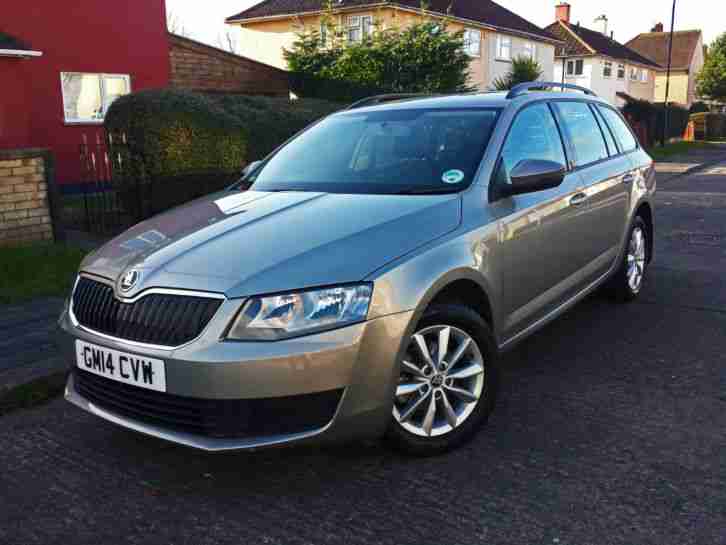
627, 283
447, 383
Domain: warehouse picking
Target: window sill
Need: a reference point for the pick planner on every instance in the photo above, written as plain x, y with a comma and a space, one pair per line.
90, 123
500, 59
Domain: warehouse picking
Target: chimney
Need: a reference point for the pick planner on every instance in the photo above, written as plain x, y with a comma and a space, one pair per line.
601, 24
658, 28
562, 12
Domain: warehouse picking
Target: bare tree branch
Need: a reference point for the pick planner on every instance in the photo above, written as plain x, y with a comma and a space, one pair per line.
175, 25
228, 42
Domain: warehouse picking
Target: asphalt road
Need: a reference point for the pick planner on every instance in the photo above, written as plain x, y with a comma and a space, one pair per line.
611, 428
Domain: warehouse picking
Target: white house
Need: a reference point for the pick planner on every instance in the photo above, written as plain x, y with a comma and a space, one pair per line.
593, 59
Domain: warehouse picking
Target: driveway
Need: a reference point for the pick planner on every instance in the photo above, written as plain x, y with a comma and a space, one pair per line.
611, 428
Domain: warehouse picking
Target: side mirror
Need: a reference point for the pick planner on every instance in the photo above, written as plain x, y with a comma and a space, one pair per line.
531, 175
250, 167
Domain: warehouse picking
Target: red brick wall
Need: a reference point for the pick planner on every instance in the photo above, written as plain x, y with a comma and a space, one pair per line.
199, 67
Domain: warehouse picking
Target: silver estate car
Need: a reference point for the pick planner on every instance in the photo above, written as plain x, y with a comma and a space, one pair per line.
363, 279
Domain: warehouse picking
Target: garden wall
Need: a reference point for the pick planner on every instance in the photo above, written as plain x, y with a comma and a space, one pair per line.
199, 67
24, 206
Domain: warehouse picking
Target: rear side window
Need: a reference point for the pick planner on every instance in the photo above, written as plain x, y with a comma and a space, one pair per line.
533, 135
621, 131
582, 131
612, 147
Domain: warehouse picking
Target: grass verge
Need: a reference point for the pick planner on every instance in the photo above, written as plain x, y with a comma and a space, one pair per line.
33, 393
37, 270
680, 148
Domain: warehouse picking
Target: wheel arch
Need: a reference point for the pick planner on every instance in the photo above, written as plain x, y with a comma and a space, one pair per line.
645, 212
463, 286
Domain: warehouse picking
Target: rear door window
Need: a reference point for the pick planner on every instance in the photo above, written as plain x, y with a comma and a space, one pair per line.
582, 131
620, 129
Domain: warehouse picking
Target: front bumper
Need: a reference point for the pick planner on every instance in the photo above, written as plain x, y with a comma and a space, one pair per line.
360, 360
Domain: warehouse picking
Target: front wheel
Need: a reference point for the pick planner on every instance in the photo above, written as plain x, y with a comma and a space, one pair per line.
447, 382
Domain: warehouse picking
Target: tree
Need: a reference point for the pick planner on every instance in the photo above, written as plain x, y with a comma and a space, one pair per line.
422, 58
523, 70
711, 82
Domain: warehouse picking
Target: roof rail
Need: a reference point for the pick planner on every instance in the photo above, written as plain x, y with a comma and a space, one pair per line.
522, 88
380, 99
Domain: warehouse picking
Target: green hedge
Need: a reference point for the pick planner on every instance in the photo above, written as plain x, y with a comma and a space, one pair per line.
310, 86
170, 133
270, 121
166, 133
653, 116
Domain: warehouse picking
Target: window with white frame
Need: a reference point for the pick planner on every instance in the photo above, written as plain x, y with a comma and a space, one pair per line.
644, 76
359, 27
472, 42
530, 50
621, 71
634, 74
323, 33
504, 48
87, 97
575, 67
607, 70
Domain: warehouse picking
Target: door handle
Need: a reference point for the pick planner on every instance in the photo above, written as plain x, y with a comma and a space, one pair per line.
629, 178
578, 199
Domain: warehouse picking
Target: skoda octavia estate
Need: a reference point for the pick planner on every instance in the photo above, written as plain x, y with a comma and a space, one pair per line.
363, 279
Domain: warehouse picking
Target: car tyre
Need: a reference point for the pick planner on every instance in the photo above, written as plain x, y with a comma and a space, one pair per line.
627, 284
457, 418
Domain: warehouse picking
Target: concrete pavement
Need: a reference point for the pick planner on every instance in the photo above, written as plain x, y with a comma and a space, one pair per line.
690, 163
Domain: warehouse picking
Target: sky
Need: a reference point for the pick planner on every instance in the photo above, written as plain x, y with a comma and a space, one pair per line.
204, 21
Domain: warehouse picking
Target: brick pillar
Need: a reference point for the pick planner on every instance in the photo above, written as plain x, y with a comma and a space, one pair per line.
24, 208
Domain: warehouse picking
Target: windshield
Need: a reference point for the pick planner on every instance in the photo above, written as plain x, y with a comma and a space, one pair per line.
388, 151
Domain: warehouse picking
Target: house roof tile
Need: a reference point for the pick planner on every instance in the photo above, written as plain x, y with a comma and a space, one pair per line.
654, 45
583, 41
482, 11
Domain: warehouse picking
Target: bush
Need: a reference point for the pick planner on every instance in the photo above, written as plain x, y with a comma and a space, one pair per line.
523, 70
421, 58
163, 133
194, 143
653, 117
268, 121
699, 107
174, 133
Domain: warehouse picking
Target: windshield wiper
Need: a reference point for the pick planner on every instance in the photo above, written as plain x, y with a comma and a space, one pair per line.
428, 191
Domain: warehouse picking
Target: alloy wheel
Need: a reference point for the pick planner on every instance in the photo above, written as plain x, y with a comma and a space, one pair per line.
442, 379
636, 260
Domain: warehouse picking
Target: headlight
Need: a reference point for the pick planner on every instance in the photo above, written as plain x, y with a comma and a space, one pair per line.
274, 317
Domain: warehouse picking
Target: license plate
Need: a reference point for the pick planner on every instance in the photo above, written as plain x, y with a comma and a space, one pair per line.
131, 369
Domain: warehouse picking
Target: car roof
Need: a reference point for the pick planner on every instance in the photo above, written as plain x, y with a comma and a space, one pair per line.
472, 100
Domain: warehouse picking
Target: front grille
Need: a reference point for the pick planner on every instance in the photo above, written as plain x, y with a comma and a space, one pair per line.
223, 418
160, 319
